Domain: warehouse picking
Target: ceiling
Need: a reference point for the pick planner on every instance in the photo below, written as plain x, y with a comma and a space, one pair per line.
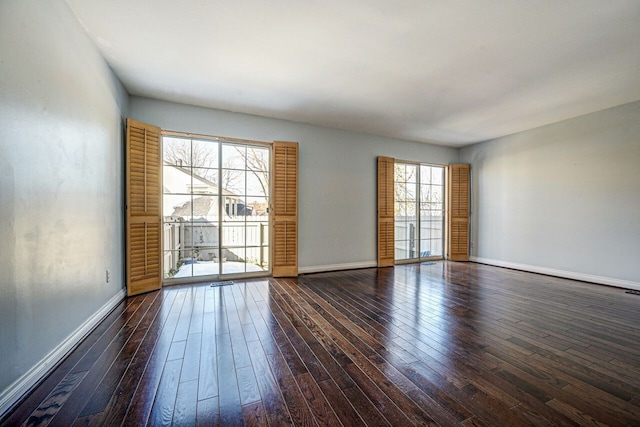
445, 72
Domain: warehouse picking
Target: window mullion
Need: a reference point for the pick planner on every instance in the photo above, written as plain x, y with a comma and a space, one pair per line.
220, 207
418, 210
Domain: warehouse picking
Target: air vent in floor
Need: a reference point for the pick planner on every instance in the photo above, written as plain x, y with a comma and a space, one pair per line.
215, 284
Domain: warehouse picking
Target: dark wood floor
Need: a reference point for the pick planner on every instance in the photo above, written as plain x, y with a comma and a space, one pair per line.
441, 344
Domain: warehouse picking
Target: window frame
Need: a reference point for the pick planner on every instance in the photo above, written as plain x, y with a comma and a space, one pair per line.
220, 140
418, 183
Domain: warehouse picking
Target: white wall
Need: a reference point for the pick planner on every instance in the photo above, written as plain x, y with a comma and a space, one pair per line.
563, 197
337, 197
61, 198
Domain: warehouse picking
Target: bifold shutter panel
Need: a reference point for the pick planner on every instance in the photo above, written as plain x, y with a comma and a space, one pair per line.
143, 206
386, 208
285, 209
459, 212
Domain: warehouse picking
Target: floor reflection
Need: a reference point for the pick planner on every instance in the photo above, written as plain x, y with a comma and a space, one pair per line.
437, 344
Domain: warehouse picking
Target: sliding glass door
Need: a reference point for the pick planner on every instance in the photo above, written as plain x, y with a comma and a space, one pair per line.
419, 211
215, 207
245, 218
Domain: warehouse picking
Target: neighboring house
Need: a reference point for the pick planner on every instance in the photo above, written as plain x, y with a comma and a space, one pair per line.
177, 187
191, 214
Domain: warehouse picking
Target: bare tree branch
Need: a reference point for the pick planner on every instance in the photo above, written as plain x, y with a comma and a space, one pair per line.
187, 153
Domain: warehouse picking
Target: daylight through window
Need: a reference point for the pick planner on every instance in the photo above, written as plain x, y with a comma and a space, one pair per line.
215, 207
419, 210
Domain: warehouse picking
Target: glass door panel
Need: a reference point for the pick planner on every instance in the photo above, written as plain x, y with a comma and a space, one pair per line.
419, 211
215, 205
245, 221
406, 233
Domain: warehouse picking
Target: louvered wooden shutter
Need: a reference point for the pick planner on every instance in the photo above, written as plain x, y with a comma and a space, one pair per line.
459, 212
386, 240
143, 206
285, 209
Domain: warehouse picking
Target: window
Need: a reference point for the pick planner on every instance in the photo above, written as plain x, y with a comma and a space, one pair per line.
418, 211
215, 207
202, 206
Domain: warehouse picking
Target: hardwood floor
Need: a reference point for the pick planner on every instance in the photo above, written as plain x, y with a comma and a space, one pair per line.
441, 344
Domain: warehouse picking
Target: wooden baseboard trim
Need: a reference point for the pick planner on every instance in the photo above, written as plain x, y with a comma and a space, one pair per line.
14, 393
337, 267
600, 280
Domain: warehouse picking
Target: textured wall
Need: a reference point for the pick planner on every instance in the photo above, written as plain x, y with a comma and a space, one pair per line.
564, 196
61, 152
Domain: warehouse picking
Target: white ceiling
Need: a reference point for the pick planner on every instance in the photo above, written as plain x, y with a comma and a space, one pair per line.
446, 72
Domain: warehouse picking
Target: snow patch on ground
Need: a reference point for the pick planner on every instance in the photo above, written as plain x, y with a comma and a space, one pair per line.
209, 268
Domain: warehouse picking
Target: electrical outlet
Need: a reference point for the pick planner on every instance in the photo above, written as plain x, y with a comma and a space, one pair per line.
108, 276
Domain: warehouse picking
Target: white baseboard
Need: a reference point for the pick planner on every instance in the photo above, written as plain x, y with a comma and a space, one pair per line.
19, 387
337, 267
627, 284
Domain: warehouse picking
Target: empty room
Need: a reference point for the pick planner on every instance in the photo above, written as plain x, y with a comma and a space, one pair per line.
336, 213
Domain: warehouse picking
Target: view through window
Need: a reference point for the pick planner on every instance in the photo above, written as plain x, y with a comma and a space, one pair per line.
215, 207
419, 210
